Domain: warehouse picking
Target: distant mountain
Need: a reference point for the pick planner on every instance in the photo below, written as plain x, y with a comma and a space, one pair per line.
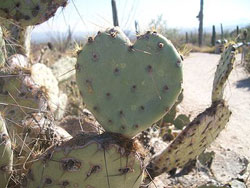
44, 37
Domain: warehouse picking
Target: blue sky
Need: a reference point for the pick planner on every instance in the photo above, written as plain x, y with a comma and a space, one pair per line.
96, 15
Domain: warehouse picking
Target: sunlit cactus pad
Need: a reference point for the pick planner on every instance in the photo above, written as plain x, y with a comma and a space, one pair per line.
128, 87
6, 155
30, 12
223, 71
88, 162
193, 140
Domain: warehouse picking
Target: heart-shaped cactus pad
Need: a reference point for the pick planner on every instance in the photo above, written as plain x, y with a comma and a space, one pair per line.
128, 87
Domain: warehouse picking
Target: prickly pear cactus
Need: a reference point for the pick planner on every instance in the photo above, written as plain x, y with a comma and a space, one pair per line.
6, 155
128, 87
2, 49
30, 12
18, 38
25, 94
43, 76
20, 98
223, 71
193, 140
88, 161
19, 94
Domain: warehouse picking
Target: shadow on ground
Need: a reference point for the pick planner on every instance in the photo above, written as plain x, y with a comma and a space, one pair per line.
245, 83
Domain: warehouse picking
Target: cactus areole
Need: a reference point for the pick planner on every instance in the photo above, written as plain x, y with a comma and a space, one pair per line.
128, 87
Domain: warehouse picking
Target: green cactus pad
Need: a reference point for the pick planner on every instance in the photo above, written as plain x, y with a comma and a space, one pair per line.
193, 140
181, 121
88, 162
128, 87
6, 155
170, 116
223, 71
30, 12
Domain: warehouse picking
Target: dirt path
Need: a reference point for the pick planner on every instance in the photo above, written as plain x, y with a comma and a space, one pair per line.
199, 70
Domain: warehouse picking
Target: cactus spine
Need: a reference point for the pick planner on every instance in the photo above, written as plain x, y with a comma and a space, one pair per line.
2, 49
18, 38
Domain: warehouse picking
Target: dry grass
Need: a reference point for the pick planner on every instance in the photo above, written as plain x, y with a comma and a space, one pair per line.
203, 49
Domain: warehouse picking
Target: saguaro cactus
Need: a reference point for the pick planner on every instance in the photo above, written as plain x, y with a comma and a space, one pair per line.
187, 38
200, 17
137, 28
213, 38
115, 14
222, 32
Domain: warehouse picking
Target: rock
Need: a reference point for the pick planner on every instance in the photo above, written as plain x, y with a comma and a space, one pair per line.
237, 184
228, 165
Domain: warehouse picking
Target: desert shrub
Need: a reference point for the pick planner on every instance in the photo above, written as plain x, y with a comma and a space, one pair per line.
247, 60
